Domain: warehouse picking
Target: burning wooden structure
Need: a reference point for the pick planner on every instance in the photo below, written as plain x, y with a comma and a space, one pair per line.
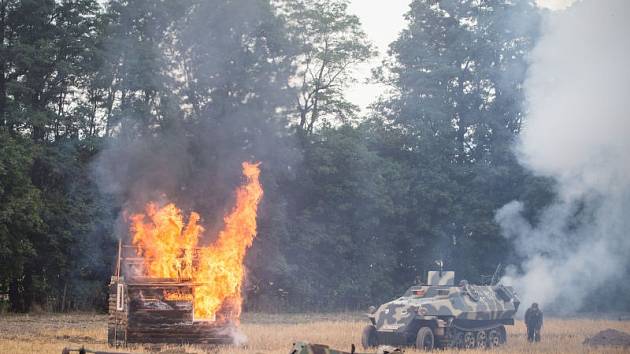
145, 309
170, 287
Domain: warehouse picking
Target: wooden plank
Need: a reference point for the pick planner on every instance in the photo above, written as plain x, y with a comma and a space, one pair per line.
170, 336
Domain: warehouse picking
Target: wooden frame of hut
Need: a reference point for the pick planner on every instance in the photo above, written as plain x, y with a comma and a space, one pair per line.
141, 312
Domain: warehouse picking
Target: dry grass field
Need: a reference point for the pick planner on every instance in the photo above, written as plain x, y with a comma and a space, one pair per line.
273, 334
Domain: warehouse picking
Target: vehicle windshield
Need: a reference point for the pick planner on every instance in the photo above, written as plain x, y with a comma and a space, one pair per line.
416, 291
426, 291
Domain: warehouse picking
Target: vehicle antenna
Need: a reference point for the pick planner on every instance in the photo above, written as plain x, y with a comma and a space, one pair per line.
495, 276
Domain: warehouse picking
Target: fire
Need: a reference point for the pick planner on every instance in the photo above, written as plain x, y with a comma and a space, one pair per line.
166, 242
169, 247
177, 296
221, 264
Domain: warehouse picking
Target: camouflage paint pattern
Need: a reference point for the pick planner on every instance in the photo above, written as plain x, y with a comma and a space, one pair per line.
441, 278
470, 306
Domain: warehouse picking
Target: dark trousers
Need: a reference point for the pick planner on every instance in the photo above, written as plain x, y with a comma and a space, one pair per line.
533, 334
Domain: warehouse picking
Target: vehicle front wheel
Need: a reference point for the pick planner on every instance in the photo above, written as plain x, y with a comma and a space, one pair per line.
425, 339
369, 338
502, 334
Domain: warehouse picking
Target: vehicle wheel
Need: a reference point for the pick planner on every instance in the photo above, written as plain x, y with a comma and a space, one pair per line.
369, 338
425, 339
502, 334
469, 340
494, 338
482, 339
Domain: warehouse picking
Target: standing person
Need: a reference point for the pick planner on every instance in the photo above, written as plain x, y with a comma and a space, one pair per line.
534, 322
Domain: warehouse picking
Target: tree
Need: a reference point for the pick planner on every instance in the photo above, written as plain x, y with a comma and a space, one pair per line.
50, 58
48, 46
5, 8
330, 42
20, 218
337, 248
136, 75
457, 72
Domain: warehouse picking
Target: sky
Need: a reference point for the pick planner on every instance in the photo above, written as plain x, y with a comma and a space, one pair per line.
382, 22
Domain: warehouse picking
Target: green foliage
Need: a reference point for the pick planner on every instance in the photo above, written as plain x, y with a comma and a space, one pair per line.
49, 203
458, 71
339, 211
48, 48
330, 42
105, 107
20, 207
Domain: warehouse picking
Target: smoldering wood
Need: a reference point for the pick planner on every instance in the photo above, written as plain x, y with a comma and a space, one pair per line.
144, 313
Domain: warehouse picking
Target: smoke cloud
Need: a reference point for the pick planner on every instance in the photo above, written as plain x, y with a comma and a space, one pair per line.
554, 4
576, 132
211, 99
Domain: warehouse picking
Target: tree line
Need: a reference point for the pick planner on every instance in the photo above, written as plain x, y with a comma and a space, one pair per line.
357, 204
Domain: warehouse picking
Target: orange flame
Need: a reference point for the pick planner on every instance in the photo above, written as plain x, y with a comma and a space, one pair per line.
177, 296
168, 246
221, 264
166, 242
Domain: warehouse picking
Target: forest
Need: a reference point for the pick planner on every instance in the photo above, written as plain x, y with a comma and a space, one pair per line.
105, 105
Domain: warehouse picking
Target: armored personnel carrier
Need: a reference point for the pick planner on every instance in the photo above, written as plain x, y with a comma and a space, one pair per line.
441, 314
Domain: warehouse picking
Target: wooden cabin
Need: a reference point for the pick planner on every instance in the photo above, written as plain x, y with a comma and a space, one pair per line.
155, 310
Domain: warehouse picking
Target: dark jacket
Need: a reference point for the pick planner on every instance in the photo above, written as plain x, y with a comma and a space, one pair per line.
533, 318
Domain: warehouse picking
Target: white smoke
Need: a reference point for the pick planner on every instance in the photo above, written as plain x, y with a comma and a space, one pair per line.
577, 132
554, 4
238, 337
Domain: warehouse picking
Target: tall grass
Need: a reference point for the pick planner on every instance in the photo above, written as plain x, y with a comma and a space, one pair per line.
274, 334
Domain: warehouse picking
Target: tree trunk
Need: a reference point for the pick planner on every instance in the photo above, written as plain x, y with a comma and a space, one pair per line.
14, 295
110, 106
27, 287
93, 131
63, 297
314, 117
